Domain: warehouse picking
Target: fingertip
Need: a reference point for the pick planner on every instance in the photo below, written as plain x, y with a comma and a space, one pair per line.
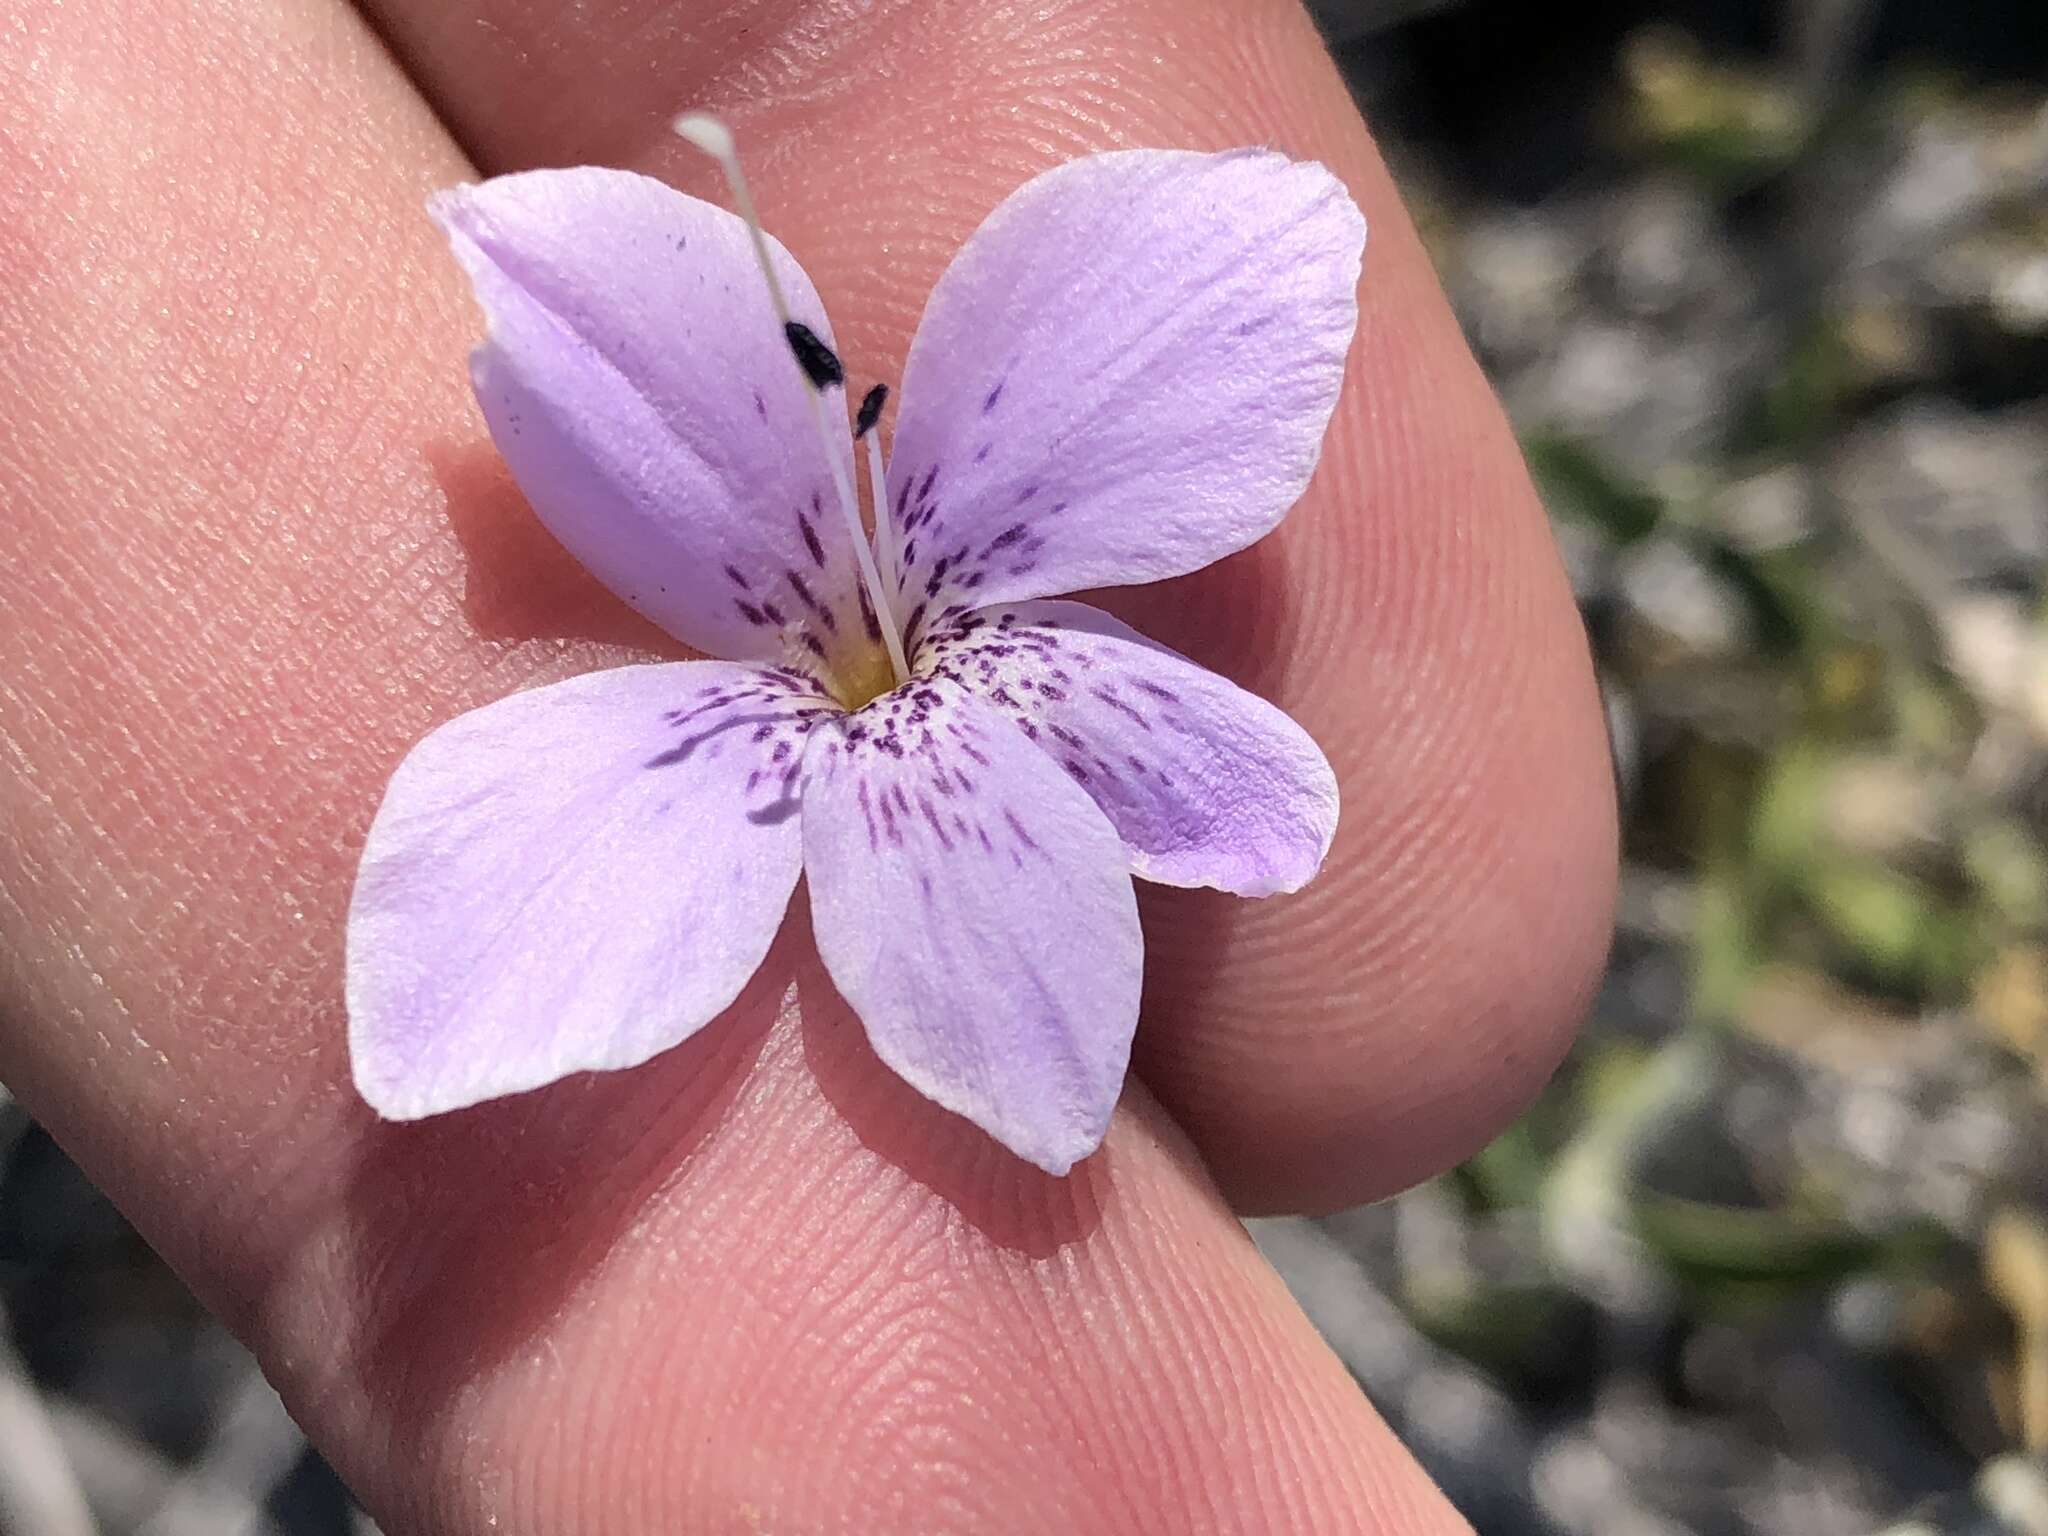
1336, 1045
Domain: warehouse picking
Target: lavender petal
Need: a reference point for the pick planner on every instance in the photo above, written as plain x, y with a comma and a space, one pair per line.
1205, 783
1125, 373
638, 384
574, 878
974, 908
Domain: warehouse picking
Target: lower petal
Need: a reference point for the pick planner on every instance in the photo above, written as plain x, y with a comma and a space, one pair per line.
1206, 784
976, 909
573, 878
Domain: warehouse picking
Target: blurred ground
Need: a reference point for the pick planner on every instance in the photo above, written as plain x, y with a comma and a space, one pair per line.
1765, 287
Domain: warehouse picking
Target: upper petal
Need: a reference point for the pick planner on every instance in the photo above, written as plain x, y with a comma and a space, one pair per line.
1206, 784
1124, 375
973, 906
638, 384
572, 878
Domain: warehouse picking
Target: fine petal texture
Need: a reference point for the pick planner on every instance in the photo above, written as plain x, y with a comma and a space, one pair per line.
638, 384
1124, 375
1206, 784
573, 878
975, 908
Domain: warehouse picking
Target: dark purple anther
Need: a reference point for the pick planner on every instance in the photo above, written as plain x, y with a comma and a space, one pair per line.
819, 362
870, 411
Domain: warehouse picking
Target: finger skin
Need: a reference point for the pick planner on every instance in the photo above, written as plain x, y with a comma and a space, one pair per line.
1325, 1048
755, 1286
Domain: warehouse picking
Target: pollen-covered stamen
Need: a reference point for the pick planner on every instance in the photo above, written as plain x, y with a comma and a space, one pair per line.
817, 362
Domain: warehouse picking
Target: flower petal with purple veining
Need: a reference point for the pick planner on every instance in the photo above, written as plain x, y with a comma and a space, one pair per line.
1124, 375
975, 909
1206, 784
573, 878
637, 382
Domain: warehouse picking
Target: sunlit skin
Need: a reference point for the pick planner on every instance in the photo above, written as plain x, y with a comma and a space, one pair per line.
258, 547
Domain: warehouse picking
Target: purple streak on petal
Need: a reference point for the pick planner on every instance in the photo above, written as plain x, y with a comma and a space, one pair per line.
820, 614
548, 886
639, 386
812, 546
1146, 426
1216, 787
992, 954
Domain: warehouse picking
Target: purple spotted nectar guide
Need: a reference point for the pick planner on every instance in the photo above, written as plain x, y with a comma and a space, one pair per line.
1124, 375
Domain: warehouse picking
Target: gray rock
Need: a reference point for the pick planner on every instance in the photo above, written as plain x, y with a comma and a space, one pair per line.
1950, 500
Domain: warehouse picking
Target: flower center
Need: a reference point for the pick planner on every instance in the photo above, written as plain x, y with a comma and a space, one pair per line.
863, 677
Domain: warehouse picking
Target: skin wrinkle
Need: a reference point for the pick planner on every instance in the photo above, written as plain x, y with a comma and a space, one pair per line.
800, 1282
793, 1244
1135, 1315
915, 1385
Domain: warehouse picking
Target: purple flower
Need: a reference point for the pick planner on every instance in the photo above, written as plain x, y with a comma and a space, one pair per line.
1123, 376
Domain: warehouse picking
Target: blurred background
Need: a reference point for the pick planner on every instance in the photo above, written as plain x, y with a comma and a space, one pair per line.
1765, 288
